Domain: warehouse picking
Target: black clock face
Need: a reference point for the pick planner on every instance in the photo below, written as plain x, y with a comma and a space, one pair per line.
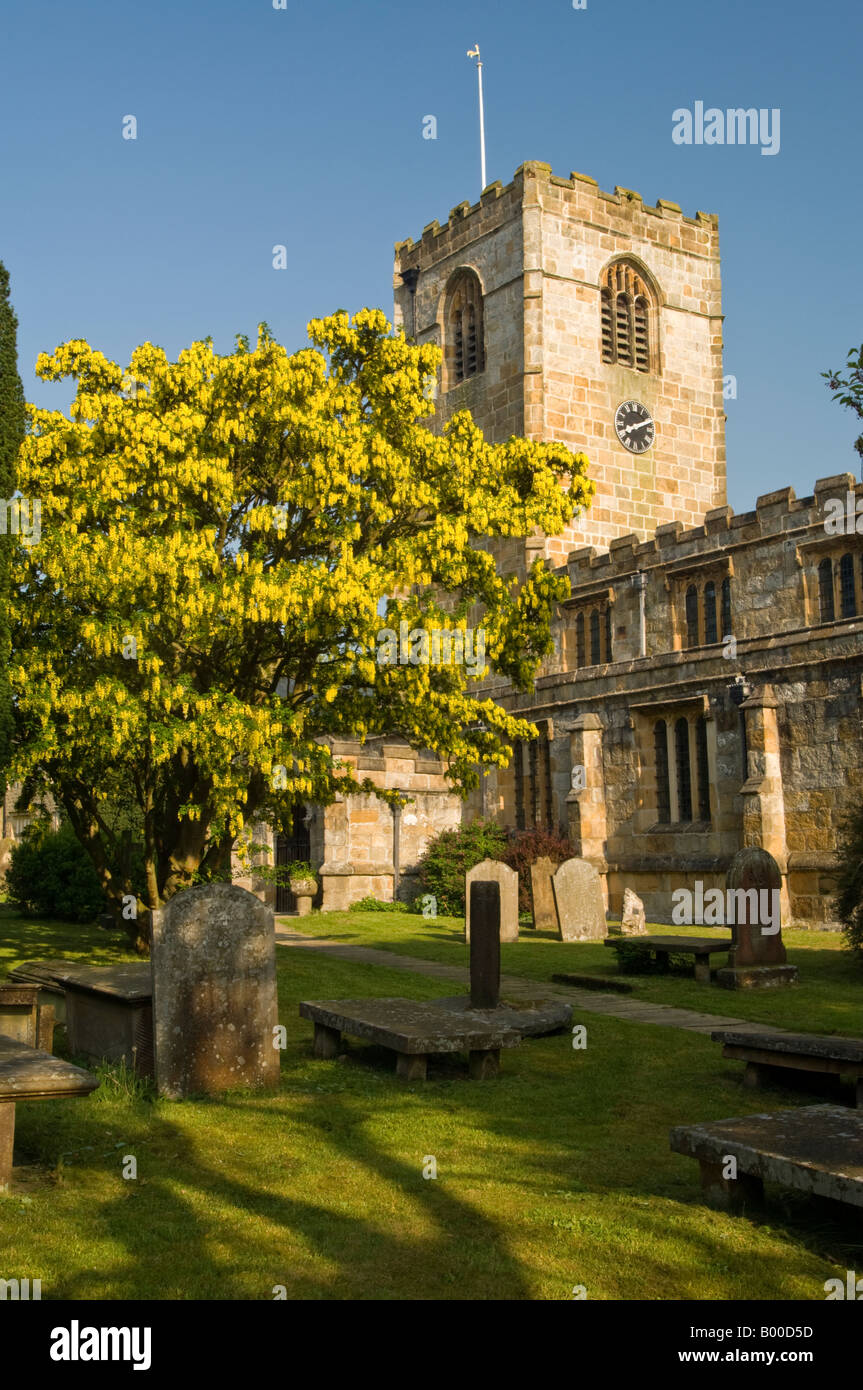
635, 428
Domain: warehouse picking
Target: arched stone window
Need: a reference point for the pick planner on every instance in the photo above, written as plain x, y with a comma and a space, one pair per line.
726, 609
847, 596
710, 612
684, 775
663, 791
464, 328
825, 591
703, 764
595, 648
625, 317
692, 616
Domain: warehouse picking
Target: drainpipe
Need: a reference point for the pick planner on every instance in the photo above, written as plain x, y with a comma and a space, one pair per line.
397, 821
639, 583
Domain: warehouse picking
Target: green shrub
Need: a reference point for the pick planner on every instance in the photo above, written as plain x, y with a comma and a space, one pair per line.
849, 884
442, 869
50, 875
375, 905
523, 848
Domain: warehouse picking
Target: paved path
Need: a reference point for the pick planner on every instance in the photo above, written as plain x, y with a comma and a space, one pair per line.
516, 986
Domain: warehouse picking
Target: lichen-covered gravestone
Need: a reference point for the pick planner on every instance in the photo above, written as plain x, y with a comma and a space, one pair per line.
213, 956
753, 892
580, 905
632, 918
542, 893
490, 870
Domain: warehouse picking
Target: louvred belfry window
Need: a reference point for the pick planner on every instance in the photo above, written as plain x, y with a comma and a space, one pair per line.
464, 328
625, 314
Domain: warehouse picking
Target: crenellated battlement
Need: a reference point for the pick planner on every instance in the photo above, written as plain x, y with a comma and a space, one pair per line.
537, 175
776, 514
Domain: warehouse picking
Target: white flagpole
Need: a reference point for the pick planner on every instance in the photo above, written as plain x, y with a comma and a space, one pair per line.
474, 53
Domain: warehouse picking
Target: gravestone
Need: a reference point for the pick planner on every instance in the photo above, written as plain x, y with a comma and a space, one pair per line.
490, 870
757, 959
632, 919
485, 945
542, 893
213, 958
580, 905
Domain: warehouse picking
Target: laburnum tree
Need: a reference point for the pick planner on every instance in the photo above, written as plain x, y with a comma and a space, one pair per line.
12, 425
223, 538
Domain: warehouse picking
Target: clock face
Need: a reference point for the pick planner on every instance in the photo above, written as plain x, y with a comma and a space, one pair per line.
635, 428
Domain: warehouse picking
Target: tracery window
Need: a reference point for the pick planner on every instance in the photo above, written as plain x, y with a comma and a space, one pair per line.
625, 317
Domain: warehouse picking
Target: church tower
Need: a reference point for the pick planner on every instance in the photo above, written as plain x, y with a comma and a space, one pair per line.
566, 313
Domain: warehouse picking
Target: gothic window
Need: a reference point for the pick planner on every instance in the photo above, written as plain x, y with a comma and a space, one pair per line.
580, 649
726, 608
847, 597
663, 792
464, 327
595, 651
684, 776
692, 616
710, 612
608, 656
625, 314
825, 591
703, 769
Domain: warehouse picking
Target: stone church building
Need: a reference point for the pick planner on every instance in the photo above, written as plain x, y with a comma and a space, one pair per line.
705, 691
706, 687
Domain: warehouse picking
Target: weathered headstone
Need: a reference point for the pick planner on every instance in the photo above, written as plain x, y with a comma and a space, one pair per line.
542, 893
632, 920
757, 959
492, 871
580, 905
213, 958
485, 945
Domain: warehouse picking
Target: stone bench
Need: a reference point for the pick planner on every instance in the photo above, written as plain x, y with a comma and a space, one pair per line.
26, 1073
817, 1149
701, 948
414, 1031
767, 1055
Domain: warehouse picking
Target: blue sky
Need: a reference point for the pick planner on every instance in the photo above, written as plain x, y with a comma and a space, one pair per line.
303, 127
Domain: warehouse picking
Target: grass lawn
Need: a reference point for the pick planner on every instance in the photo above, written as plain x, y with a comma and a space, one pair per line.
556, 1174
828, 999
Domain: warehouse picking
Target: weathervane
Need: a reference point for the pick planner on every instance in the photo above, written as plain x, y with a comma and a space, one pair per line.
474, 53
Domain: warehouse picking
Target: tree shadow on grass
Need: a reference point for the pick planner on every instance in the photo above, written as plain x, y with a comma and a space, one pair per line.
331, 1251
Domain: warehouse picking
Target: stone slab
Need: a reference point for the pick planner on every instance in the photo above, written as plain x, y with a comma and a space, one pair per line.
579, 900
757, 930
531, 1017
542, 895
633, 921
213, 957
816, 1149
816, 1045
130, 984
404, 1025
756, 976
26, 1073
492, 871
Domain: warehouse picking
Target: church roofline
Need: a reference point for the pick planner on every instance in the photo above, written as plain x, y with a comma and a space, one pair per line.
537, 171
